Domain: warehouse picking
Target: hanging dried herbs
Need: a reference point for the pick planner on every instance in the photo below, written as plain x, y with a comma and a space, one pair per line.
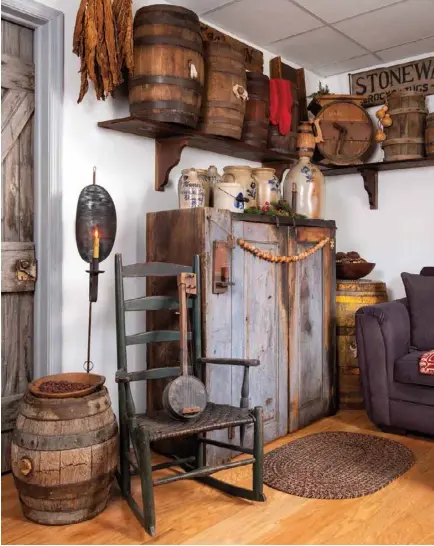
103, 46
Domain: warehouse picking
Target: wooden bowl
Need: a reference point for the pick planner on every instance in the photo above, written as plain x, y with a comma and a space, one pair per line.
95, 382
352, 271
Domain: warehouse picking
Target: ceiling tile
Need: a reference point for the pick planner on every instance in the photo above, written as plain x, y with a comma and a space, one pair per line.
317, 48
201, 6
391, 26
408, 50
347, 66
342, 9
262, 22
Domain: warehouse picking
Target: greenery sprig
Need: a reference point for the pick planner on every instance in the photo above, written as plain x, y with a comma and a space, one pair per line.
281, 208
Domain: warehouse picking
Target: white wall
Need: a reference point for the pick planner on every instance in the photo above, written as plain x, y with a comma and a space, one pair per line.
399, 236
125, 167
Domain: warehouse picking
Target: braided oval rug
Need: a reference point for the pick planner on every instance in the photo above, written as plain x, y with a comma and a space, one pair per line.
336, 465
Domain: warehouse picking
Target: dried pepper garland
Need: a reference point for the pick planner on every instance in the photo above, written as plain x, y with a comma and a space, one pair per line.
103, 41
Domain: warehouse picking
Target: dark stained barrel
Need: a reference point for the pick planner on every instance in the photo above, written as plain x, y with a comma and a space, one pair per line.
286, 143
256, 119
429, 135
223, 105
64, 457
168, 65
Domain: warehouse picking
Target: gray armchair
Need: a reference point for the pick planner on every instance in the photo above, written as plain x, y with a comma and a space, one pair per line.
398, 398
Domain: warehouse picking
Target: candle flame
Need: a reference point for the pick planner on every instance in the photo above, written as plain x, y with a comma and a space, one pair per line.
95, 233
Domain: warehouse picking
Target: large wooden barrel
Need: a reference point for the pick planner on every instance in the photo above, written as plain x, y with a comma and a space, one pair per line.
405, 137
305, 140
64, 457
286, 143
168, 65
429, 135
344, 133
223, 107
256, 119
350, 296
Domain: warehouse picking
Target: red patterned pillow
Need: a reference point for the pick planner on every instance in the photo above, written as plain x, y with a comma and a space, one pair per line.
426, 363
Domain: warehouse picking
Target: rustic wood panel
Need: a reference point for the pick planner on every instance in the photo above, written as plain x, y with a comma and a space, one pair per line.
17, 220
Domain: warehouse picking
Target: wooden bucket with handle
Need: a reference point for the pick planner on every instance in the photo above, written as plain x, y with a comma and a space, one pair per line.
185, 397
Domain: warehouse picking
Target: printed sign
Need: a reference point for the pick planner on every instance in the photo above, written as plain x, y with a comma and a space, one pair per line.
375, 85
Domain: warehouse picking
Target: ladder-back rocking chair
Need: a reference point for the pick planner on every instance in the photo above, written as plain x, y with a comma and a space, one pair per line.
143, 429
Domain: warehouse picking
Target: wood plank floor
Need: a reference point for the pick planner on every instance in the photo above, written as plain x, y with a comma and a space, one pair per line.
191, 513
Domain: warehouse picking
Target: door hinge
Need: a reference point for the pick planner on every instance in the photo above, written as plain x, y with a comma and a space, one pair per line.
26, 270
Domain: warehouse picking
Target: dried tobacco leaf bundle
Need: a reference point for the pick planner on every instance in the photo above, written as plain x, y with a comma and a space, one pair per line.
123, 16
95, 43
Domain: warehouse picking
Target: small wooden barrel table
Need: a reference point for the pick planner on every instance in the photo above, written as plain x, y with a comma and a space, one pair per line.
350, 296
64, 457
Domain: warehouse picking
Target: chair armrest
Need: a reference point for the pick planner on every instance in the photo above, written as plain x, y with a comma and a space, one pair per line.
383, 336
230, 361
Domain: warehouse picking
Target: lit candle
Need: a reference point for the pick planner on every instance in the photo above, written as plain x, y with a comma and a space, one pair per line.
96, 244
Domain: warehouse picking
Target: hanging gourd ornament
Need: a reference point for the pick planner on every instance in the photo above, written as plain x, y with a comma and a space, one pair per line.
380, 113
380, 136
386, 121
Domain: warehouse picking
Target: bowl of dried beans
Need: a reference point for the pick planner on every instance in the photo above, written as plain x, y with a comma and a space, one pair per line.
66, 385
351, 266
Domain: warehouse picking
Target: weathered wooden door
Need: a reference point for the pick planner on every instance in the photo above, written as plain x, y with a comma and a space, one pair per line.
18, 253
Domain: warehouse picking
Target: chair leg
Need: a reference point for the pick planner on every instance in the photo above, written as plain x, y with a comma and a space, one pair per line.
124, 446
143, 454
200, 453
258, 453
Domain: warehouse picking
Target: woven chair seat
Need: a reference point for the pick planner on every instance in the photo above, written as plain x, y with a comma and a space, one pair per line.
159, 425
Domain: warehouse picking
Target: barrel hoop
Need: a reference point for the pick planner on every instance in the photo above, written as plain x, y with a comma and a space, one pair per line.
63, 518
403, 140
409, 110
404, 157
59, 443
164, 105
167, 80
221, 70
225, 104
171, 19
258, 97
168, 40
258, 123
67, 491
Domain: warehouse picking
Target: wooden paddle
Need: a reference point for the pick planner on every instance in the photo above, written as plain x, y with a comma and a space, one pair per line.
185, 397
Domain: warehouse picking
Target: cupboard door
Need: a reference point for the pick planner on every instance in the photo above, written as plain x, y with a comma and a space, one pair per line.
312, 383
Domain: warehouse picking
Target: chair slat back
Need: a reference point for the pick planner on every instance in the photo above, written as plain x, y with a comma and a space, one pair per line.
156, 336
154, 303
155, 269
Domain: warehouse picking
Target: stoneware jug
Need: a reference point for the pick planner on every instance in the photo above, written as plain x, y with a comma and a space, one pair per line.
228, 194
310, 188
203, 177
243, 175
191, 192
267, 186
213, 179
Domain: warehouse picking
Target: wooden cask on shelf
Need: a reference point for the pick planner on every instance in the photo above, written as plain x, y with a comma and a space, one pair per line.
256, 119
429, 135
405, 137
305, 140
64, 457
286, 143
168, 65
224, 102
350, 296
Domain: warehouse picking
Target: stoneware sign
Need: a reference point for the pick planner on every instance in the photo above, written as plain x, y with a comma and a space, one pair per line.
375, 85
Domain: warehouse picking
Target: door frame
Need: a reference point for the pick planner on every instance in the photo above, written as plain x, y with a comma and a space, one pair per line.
48, 26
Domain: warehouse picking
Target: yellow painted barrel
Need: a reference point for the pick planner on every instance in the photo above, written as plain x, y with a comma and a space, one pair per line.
350, 296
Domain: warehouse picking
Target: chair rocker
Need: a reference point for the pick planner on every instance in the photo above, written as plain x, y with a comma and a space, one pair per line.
143, 429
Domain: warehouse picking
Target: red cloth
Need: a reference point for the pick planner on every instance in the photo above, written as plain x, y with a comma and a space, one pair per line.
281, 102
426, 363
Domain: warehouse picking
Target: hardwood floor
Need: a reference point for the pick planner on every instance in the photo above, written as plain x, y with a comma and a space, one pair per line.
191, 513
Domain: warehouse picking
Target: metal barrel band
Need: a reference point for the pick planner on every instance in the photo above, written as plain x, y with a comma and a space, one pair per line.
60, 443
170, 41
167, 80
164, 105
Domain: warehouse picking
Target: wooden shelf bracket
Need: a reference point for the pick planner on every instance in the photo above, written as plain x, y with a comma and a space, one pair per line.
167, 155
370, 181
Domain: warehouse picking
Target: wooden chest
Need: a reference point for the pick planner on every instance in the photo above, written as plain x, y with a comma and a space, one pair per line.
282, 314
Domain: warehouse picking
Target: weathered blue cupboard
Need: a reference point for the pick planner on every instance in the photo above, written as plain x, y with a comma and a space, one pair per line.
282, 314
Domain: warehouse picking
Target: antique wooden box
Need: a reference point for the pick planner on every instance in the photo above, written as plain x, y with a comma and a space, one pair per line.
282, 314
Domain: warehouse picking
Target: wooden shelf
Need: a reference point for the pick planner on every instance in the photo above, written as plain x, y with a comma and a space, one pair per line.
369, 172
171, 139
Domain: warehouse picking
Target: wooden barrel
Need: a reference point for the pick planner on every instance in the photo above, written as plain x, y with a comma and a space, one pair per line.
64, 457
344, 133
286, 143
305, 140
405, 137
168, 65
223, 107
256, 119
350, 296
429, 135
